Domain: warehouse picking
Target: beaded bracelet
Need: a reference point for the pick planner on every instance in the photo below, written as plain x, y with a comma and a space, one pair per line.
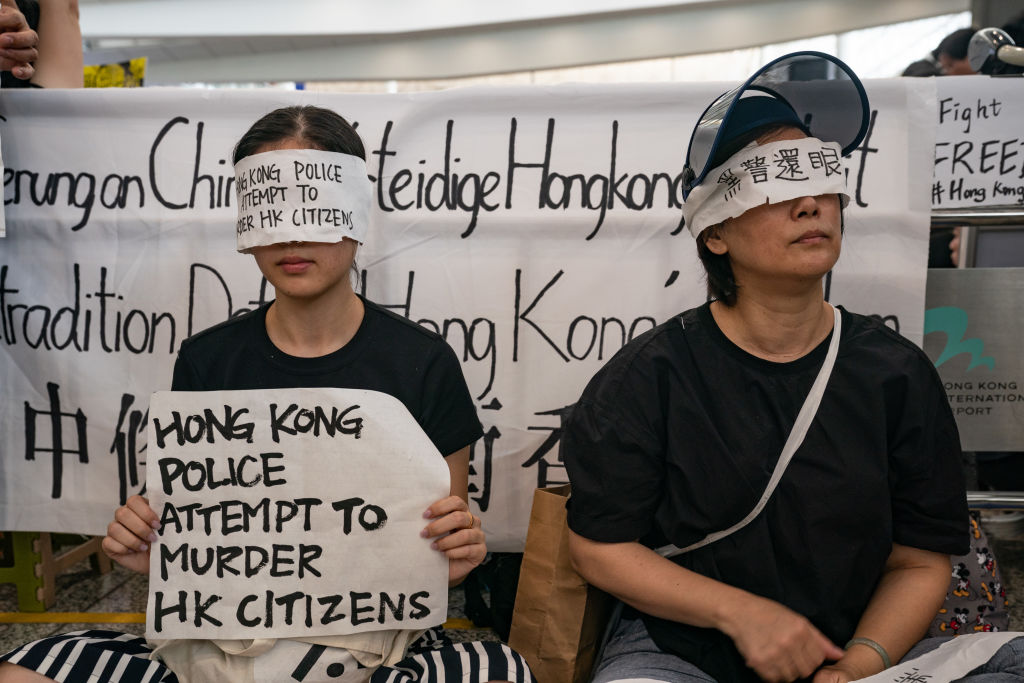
886, 663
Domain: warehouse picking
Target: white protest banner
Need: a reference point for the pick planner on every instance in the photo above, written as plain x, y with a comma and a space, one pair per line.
3, 220
537, 229
305, 195
291, 512
979, 146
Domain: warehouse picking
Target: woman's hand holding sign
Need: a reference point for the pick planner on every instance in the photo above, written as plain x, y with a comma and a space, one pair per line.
456, 532
131, 534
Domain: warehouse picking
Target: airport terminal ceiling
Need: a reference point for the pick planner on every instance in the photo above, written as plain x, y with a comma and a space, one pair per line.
226, 41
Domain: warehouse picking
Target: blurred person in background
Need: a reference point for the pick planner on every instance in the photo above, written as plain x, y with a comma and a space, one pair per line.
952, 53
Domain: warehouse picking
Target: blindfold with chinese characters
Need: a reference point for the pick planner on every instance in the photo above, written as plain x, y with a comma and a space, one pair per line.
766, 174
301, 195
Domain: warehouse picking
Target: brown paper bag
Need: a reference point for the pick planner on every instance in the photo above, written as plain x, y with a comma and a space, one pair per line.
559, 619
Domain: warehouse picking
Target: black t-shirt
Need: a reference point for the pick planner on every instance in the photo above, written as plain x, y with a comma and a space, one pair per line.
677, 436
388, 353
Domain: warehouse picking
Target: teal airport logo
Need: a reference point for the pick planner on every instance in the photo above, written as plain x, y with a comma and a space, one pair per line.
953, 321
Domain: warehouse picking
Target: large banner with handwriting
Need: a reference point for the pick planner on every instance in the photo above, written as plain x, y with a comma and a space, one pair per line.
536, 229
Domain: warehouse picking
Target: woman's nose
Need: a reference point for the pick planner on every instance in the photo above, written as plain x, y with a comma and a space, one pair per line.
806, 207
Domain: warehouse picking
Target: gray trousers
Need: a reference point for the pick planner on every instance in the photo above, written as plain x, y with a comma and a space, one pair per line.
631, 655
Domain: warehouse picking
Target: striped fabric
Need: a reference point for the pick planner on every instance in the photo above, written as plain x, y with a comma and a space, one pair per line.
445, 662
91, 657
97, 656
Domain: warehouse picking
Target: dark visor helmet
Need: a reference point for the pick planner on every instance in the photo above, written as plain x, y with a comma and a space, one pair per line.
817, 91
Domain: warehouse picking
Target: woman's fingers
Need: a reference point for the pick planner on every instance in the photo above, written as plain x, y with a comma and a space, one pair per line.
19, 55
140, 506
24, 39
111, 546
779, 644
449, 515
134, 524
458, 534
459, 539
446, 505
126, 556
450, 523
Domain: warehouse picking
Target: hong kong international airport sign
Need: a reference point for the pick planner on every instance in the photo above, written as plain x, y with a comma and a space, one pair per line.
973, 327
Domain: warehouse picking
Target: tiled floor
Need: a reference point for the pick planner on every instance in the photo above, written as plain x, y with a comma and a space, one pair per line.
82, 590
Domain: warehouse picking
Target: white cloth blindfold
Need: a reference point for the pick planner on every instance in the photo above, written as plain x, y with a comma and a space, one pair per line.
766, 174
301, 195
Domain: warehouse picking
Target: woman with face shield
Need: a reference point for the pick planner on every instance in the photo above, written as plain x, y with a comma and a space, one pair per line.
769, 483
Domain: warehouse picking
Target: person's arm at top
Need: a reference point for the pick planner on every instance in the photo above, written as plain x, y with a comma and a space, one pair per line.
776, 642
60, 45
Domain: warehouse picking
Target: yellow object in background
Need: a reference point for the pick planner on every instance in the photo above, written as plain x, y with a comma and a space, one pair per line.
130, 74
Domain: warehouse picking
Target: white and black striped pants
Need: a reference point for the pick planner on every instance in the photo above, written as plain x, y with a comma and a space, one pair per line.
97, 656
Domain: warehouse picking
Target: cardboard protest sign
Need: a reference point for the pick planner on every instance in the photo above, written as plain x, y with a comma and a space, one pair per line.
301, 195
291, 512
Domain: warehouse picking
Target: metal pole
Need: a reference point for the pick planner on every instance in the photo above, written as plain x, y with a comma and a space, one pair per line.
1010, 216
995, 500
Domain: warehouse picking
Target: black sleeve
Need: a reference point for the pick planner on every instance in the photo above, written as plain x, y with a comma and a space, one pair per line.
929, 502
448, 415
185, 378
613, 454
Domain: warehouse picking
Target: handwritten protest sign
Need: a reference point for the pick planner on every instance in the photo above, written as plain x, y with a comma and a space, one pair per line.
291, 512
303, 195
979, 149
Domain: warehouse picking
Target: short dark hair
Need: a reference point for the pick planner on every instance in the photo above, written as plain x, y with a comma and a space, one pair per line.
718, 269
323, 128
955, 44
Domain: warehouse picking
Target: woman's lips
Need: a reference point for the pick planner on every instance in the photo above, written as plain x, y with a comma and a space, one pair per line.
293, 265
812, 237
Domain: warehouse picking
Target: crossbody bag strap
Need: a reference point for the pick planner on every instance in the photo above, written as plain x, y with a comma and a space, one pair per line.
796, 438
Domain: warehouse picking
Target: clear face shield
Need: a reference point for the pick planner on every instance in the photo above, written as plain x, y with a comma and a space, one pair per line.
823, 92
